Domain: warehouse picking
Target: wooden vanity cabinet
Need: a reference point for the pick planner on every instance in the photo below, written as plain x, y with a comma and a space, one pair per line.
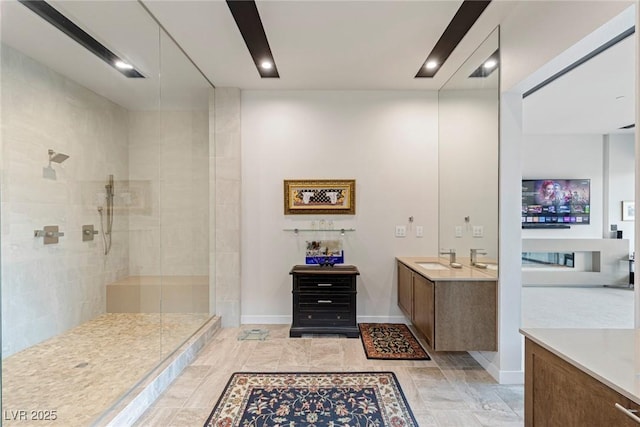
405, 290
556, 393
452, 315
424, 308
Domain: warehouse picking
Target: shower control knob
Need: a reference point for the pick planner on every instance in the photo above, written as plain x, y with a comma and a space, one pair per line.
88, 232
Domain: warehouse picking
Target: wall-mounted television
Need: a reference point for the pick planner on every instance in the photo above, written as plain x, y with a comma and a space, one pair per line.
551, 203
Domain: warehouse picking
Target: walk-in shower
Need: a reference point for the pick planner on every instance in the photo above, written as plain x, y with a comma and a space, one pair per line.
108, 230
93, 326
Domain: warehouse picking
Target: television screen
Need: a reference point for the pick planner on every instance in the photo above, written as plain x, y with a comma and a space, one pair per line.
561, 202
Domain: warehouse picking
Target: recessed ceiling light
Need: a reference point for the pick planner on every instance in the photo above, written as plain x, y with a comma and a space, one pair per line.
247, 18
123, 65
486, 68
464, 18
430, 65
64, 24
490, 63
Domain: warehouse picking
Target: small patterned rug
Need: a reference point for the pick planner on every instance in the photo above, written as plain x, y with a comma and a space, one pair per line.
312, 399
393, 341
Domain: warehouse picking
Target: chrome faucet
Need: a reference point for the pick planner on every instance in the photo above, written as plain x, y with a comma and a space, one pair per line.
451, 253
474, 255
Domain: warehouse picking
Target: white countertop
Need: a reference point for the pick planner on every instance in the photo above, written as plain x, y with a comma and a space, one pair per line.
612, 356
448, 274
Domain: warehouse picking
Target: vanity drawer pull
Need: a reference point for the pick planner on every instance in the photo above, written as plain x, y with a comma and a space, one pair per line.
628, 412
324, 301
325, 284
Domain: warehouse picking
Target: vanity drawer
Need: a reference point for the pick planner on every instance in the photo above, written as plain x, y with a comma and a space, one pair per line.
324, 284
324, 302
319, 318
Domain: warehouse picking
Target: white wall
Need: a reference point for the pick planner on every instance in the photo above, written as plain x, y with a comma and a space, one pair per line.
385, 140
49, 289
621, 177
566, 157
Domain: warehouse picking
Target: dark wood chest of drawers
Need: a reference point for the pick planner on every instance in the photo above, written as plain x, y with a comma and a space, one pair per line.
324, 300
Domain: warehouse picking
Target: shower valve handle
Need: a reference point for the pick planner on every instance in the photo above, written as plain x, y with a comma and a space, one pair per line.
43, 233
50, 234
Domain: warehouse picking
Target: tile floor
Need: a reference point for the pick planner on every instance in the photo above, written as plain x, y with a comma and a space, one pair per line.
593, 307
450, 390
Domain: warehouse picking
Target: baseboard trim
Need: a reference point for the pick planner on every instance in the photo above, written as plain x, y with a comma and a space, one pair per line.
265, 320
502, 377
285, 320
383, 319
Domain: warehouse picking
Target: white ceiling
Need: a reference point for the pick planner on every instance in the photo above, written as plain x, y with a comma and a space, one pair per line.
317, 45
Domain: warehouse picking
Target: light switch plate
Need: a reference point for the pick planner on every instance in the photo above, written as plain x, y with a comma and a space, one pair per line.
419, 231
401, 231
478, 231
458, 231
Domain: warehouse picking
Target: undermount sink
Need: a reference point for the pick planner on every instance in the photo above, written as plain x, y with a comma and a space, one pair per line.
432, 266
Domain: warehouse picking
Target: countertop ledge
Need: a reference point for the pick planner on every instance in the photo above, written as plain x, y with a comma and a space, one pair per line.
612, 356
450, 274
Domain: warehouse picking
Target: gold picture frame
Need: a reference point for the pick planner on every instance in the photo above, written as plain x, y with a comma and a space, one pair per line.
319, 196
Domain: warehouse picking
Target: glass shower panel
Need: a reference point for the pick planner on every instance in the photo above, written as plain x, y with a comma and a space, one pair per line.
183, 195
76, 306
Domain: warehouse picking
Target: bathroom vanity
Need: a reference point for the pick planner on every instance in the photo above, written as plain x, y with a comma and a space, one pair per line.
581, 377
454, 308
324, 300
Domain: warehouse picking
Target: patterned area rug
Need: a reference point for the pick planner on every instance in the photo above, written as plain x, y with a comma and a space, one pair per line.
392, 341
312, 399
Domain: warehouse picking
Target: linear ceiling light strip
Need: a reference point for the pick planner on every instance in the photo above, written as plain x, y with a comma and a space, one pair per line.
245, 13
462, 21
617, 39
64, 24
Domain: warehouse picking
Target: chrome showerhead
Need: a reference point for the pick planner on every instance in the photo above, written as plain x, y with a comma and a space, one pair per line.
57, 157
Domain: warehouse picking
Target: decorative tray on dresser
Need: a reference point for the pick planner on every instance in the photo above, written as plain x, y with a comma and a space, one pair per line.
324, 300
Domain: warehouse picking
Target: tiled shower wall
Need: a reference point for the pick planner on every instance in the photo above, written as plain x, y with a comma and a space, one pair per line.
169, 156
49, 289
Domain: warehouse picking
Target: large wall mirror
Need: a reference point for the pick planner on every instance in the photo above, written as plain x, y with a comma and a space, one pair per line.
468, 155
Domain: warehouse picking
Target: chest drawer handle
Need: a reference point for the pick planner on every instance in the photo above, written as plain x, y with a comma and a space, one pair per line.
325, 284
324, 301
628, 412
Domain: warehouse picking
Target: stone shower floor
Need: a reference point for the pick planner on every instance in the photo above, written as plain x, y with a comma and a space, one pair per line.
77, 375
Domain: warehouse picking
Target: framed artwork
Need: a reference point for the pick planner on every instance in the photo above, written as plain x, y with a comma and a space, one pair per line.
320, 196
628, 210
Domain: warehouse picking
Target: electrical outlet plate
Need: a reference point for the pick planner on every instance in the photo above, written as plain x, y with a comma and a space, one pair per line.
458, 231
401, 231
478, 231
419, 231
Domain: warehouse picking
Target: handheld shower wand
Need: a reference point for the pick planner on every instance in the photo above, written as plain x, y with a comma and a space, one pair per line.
106, 234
